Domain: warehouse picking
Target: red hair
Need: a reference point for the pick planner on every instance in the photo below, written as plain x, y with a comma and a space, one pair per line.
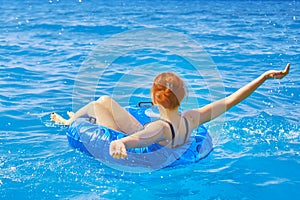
168, 90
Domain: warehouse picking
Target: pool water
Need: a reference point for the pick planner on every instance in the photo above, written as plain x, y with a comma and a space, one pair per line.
45, 44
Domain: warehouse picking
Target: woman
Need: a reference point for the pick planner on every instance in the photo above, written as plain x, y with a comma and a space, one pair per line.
172, 127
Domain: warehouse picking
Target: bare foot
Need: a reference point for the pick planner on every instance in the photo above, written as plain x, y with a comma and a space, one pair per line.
59, 119
70, 114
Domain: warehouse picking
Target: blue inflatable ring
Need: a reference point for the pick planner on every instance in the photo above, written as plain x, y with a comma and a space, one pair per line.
94, 140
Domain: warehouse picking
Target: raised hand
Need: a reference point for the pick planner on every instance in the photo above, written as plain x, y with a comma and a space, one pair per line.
278, 74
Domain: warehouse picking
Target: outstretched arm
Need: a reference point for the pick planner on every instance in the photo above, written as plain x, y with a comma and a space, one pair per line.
152, 133
213, 110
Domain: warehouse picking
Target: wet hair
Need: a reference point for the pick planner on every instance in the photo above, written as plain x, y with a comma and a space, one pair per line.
168, 90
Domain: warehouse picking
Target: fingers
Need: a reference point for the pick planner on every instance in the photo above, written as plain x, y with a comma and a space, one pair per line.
287, 69
279, 74
117, 151
119, 155
283, 73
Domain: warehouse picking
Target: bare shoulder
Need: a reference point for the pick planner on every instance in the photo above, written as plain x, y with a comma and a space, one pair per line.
193, 116
154, 130
155, 124
155, 127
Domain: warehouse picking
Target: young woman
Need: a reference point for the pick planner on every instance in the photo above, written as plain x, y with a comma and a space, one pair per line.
172, 127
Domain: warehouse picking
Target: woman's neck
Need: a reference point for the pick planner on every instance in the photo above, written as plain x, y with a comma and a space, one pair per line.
168, 114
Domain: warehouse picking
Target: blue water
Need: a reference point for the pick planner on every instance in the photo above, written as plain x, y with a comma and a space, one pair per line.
44, 44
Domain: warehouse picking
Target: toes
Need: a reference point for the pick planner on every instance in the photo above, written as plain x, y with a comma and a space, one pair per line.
53, 116
59, 119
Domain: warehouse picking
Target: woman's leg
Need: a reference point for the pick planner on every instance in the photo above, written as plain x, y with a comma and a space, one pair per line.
107, 113
85, 110
121, 117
